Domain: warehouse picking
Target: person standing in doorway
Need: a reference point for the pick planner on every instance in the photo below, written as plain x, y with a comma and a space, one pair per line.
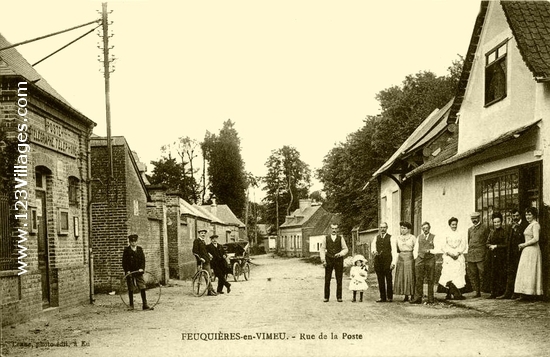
424, 266
332, 252
133, 263
477, 248
515, 238
382, 246
496, 245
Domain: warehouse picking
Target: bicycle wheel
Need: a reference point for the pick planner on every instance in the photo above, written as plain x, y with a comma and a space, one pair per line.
201, 280
152, 290
246, 271
236, 271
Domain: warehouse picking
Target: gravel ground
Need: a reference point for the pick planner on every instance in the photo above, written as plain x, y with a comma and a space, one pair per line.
280, 312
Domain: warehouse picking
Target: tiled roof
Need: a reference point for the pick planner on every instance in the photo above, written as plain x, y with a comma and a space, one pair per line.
433, 125
446, 159
323, 225
207, 214
300, 217
530, 24
224, 213
15, 64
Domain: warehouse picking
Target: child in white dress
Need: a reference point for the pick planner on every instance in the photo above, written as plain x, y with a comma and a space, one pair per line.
358, 275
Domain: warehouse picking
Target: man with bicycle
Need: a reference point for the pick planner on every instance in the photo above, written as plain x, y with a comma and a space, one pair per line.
199, 248
133, 263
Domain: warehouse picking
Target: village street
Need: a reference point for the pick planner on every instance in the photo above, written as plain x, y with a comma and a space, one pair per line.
281, 310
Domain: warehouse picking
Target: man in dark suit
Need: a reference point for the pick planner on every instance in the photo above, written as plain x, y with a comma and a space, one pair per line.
199, 248
219, 263
382, 247
512, 259
477, 248
332, 252
424, 264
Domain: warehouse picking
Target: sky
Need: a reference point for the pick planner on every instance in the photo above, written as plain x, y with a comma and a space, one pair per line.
298, 73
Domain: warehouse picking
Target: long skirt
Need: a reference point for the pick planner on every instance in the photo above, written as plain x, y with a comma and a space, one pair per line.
529, 275
453, 271
404, 274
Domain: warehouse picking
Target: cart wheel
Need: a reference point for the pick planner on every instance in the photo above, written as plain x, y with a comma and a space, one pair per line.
201, 280
246, 271
152, 290
236, 271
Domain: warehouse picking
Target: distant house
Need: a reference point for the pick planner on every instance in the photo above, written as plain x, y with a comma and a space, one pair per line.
232, 227
490, 153
299, 234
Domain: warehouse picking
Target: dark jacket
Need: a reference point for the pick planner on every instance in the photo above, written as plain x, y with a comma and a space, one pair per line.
516, 237
383, 260
133, 260
199, 248
218, 258
477, 240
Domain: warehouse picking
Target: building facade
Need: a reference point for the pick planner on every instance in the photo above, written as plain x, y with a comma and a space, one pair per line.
498, 157
44, 150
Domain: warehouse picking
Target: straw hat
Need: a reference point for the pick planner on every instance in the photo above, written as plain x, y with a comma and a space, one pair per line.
357, 258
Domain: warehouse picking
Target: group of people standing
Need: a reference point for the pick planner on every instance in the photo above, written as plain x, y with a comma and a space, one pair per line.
511, 254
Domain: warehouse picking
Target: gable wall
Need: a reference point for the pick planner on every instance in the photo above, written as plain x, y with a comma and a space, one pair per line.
477, 124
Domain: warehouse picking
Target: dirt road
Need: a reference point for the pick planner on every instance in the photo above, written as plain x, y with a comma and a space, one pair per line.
278, 312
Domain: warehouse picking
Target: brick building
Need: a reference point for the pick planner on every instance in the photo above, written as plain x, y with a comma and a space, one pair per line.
44, 145
121, 205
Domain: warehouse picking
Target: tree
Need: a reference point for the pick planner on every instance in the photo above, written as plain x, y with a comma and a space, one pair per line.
170, 173
350, 165
226, 168
186, 149
288, 179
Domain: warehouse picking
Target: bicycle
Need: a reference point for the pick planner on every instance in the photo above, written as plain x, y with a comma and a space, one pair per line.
152, 287
201, 279
240, 266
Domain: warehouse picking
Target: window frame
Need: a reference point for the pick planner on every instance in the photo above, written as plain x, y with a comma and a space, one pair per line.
498, 62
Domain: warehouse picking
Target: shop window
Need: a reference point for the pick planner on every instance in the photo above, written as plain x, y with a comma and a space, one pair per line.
517, 187
495, 74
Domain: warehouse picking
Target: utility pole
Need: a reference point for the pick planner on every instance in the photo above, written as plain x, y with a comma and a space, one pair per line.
106, 73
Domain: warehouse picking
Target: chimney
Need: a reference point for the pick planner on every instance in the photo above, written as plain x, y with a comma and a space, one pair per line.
214, 206
304, 203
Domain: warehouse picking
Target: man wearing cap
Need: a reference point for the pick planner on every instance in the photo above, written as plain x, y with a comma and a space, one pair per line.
199, 248
332, 252
218, 263
133, 263
475, 257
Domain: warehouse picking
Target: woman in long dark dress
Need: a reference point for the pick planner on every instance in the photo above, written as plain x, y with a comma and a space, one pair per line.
496, 245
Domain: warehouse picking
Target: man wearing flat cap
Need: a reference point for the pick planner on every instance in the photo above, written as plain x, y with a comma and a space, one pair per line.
219, 263
332, 252
199, 248
477, 247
